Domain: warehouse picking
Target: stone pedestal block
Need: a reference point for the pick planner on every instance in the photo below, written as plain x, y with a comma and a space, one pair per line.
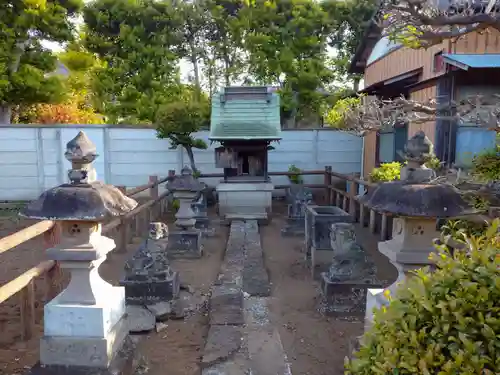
83, 350
344, 298
125, 361
185, 244
249, 201
96, 320
148, 292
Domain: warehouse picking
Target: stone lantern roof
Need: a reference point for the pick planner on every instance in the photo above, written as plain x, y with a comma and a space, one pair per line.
185, 182
84, 198
418, 200
417, 195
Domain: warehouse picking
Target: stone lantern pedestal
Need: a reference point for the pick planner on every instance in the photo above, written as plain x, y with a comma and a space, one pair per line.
85, 326
186, 241
408, 250
88, 316
199, 207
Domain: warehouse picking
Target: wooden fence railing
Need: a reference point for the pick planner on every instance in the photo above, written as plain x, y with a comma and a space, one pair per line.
123, 229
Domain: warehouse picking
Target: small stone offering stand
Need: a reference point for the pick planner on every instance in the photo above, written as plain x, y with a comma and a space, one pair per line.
416, 202
85, 329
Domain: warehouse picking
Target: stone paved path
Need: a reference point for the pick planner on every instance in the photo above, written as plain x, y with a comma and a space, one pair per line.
242, 340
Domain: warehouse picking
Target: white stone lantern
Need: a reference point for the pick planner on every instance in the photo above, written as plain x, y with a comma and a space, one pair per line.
85, 325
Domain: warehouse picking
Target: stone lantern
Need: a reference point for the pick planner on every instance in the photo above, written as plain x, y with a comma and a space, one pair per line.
416, 203
186, 241
84, 326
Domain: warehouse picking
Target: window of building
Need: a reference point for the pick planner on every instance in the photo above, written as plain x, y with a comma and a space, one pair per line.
390, 143
438, 64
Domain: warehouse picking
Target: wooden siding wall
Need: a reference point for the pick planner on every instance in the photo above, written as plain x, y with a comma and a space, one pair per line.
422, 95
369, 154
401, 61
486, 42
404, 59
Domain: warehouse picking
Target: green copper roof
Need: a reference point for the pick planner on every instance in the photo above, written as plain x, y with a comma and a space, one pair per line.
246, 113
244, 130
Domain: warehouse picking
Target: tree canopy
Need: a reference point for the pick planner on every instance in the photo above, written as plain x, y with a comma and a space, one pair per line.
25, 63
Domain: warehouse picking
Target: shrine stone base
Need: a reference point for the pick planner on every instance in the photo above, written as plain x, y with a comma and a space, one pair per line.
245, 200
185, 244
149, 291
125, 361
343, 299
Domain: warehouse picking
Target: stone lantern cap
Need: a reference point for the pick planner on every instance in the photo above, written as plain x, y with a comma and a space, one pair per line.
81, 199
81, 149
401, 198
185, 182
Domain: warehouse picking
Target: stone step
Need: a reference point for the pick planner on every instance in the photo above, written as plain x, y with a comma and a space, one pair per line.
265, 350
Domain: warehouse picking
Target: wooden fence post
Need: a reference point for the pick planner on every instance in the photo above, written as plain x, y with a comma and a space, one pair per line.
383, 228
154, 193
373, 216
53, 278
123, 229
328, 183
353, 191
362, 213
338, 200
27, 305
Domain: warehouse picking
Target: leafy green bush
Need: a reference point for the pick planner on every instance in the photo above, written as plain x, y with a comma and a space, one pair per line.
175, 205
486, 165
460, 230
386, 172
445, 322
433, 163
336, 116
295, 178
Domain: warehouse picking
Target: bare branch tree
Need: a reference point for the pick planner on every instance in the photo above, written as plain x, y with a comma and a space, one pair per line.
424, 23
376, 114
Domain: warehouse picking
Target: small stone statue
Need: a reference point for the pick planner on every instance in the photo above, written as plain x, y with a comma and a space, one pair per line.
418, 150
344, 286
299, 198
349, 262
148, 275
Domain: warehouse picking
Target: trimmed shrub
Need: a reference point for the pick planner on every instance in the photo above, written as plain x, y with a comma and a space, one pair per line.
439, 323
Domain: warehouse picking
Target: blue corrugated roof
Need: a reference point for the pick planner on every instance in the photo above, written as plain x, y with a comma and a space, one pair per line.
466, 61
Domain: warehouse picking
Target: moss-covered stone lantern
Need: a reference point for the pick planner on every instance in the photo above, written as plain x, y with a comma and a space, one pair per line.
416, 202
